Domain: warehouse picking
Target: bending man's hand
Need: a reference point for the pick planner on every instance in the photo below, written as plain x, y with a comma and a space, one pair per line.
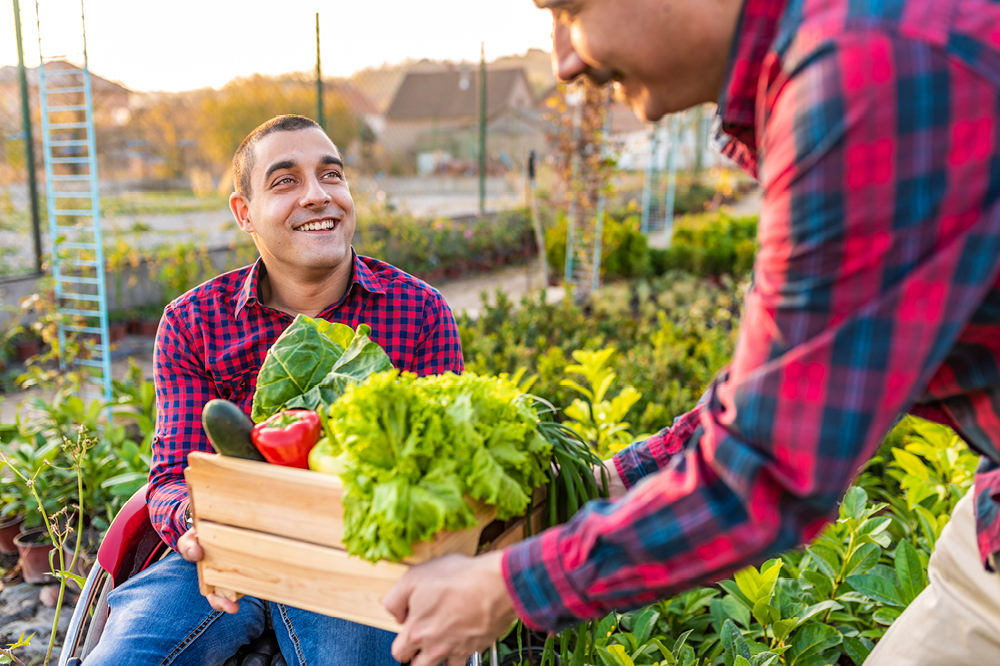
190, 550
616, 487
450, 608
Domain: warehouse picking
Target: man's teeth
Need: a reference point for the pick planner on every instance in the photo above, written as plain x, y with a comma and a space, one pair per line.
317, 226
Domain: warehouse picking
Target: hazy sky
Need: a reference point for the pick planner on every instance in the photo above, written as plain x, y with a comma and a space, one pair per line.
183, 44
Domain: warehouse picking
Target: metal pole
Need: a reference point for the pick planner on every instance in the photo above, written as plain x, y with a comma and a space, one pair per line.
319, 80
647, 177
671, 177
701, 140
482, 128
29, 146
543, 261
595, 276
571, 218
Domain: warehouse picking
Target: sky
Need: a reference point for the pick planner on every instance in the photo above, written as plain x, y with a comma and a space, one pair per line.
186, 44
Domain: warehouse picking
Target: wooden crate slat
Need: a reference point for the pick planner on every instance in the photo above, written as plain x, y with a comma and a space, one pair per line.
303, 575
269, 498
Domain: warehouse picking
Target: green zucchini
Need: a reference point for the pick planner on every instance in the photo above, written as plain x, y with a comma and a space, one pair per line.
228, 429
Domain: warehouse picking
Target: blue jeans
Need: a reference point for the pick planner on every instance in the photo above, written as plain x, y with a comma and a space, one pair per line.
159, 617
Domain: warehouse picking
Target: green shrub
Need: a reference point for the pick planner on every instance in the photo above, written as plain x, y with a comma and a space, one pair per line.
675, 333
624, 250
709, 244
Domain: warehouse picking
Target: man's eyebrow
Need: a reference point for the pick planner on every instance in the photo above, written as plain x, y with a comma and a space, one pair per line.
330, 159
278, 166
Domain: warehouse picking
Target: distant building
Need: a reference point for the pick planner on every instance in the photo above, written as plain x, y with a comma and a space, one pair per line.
438, 112
361, 106
111, 100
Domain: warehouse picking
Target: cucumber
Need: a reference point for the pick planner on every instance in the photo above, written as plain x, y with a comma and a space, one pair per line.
228, 429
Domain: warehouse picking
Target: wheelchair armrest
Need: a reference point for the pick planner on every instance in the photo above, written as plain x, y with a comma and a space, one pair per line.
131, 542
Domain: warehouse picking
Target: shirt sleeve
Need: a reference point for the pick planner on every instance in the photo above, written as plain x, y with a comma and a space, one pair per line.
874, 252
439, 348
183, 386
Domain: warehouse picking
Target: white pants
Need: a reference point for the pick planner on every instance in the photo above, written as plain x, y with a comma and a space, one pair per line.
955, 621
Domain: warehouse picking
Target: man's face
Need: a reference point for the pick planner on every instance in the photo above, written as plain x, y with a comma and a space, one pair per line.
300, 210
664, 55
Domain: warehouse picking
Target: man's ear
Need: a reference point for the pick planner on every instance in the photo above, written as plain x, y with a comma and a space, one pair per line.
241, 211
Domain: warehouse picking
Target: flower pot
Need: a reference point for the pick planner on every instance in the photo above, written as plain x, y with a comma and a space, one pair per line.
9, 530
116, 332
145, 327
27, 348
33, 545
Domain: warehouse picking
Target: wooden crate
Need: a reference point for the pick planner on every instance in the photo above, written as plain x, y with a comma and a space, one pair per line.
274, 532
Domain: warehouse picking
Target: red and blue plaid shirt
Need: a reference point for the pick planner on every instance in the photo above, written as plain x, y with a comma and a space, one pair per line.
874, 128
213, 339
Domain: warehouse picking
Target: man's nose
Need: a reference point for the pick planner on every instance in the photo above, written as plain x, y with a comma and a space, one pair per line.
315, 194
566, 63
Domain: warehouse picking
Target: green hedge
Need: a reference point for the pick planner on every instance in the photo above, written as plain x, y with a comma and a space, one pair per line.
706, 244
673, 333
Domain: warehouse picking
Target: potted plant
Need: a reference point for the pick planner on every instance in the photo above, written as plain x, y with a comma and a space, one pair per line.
10, 526
117, 325
31, 458
145, 320
26, 345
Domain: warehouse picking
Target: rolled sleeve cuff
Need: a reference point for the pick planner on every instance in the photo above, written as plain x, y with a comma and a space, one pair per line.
647, 456
177, 527
542, 595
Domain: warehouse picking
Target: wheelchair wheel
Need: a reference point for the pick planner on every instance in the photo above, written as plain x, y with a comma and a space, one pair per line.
89, 617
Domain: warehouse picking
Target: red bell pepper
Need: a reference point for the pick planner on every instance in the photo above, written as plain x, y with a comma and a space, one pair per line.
287, 437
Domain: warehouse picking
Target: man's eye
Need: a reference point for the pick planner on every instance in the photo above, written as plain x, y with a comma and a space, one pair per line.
332, 174
286, 179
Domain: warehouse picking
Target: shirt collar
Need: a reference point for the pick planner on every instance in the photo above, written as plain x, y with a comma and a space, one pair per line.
364, 277
361, 276
248, 293
755, 32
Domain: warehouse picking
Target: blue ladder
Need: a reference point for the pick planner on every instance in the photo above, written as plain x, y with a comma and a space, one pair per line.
75, 218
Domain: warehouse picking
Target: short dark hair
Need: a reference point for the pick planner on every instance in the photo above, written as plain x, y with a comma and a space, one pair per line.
243, 160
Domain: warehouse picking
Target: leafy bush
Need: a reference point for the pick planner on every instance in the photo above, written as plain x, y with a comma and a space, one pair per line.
423, 246
624, 249
706, 244
117, 462
676, 332
709, 244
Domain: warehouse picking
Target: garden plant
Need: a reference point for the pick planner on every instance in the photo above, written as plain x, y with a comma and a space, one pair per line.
616, 367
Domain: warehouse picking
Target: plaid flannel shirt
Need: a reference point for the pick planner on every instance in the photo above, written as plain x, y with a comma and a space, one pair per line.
212, 341
874, 128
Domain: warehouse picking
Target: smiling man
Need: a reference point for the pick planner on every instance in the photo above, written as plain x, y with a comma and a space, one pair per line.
292, 197
874, 129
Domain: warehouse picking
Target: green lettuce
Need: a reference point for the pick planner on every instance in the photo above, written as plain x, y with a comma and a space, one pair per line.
411, 449
311, 364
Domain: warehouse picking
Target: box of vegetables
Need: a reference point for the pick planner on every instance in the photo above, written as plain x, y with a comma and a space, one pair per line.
355, 471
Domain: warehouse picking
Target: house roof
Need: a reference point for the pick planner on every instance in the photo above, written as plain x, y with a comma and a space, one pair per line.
443, 95
8, 74
358, 103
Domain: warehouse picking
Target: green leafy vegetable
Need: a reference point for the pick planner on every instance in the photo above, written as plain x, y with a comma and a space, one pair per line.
311, 364
410, 450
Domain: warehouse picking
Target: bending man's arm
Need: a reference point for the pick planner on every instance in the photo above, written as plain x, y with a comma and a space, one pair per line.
875, 251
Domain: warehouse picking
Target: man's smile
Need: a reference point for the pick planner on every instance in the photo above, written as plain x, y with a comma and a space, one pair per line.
320, 224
